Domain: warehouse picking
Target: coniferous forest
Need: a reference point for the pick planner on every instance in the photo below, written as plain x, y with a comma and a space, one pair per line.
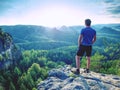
42, 49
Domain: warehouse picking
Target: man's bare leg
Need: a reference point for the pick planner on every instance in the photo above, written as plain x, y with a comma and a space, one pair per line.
77, 62
88, 64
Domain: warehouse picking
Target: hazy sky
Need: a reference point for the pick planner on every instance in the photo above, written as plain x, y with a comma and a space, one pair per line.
58, 12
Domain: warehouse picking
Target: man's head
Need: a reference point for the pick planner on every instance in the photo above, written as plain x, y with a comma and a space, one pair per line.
87, 22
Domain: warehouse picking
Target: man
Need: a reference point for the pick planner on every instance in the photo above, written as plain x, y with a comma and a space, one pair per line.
86, 38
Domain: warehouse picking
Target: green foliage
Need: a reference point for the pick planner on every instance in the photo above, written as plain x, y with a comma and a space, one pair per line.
112, 51
34, 89
38, 81
64, 54
118, 72
34, 65
29, 82
17, 71
1, 57
72, 75
1, 88
109, 67
11, 87
44, 38
7, 55
30, 78
42, 61
54, 48
96, 61
26, 81
2, 80
23, 87
51, 64
34, 71
83, 62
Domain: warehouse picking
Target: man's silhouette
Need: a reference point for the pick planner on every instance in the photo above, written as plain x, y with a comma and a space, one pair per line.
85, 41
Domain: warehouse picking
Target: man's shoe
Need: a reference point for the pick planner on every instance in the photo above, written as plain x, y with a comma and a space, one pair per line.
87, 71
77, 71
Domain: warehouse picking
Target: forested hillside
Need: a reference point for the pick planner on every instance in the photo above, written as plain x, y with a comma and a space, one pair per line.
45, 48
44, 38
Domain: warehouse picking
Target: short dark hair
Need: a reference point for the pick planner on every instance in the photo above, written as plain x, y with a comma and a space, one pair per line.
87, 22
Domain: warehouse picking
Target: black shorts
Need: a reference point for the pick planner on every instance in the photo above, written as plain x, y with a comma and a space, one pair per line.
84, 49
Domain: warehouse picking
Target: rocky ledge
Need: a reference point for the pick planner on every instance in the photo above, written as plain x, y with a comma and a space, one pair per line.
9, 52
64, 79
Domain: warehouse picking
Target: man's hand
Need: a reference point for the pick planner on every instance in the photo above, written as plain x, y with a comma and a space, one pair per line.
94, 39
80, 40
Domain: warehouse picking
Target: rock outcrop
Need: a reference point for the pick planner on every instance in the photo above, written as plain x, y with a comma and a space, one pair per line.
9, 53
64, 79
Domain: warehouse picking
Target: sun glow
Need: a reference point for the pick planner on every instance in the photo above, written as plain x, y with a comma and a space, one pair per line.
53, 13
56, 16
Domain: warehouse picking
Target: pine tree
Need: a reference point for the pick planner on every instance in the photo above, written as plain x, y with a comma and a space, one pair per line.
11, 87
23, 87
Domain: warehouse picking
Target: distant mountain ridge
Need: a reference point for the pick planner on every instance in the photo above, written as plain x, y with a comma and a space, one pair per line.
28, 36
109, 30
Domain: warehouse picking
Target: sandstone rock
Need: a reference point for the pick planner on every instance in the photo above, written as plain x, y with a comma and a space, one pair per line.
57, 73
61, 79
9, 53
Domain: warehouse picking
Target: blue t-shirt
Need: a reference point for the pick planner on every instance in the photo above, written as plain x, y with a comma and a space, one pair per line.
88, 34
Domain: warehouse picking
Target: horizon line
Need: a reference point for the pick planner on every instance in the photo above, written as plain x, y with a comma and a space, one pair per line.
54, 26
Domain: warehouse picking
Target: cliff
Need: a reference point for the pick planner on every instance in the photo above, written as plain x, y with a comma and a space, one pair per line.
9, 53
64, 79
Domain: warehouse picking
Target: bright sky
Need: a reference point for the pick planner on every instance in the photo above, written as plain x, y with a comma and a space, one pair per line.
53, 13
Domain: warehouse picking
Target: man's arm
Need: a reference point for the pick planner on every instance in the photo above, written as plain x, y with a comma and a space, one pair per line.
80, 39
94, 39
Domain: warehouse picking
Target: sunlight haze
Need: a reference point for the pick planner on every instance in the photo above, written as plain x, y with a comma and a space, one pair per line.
58, 12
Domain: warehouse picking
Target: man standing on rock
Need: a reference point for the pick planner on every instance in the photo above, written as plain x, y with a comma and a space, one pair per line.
86, 38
